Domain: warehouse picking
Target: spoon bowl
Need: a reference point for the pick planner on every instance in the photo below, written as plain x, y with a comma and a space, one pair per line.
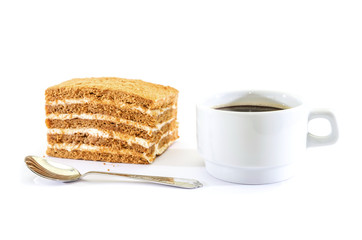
50, 170
59, 172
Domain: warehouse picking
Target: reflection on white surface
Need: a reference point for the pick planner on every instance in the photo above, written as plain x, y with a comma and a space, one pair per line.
184, 163
175, 162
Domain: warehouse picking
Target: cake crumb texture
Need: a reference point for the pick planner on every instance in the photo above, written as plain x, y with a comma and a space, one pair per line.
131, 91
110, 119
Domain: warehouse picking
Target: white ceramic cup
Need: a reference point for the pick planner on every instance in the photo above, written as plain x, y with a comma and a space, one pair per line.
257, 147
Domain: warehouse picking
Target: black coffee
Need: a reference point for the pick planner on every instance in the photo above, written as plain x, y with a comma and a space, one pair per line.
249, 108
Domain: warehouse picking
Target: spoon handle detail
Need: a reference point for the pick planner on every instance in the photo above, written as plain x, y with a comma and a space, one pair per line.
170, 181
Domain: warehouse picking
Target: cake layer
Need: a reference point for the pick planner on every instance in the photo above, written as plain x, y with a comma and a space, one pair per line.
109, 154
102, 117
117, 144
97, 133
98, 156
154, 112
113, 111
108, 139
152, 134
130, 91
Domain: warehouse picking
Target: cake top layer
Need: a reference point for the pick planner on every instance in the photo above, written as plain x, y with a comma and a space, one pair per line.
132, 91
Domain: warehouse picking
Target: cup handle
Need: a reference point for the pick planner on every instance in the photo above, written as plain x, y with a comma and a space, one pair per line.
316, 141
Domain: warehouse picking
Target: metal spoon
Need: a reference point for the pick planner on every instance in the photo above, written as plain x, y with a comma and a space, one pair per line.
43, 168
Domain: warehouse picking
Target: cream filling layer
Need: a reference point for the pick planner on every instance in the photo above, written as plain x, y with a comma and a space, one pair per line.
93, 132
163, 148
103, 134
109, 118
154, 112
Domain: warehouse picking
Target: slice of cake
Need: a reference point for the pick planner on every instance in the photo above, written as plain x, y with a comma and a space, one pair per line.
110, 119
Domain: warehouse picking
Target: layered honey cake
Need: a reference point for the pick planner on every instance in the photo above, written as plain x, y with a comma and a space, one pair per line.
110, 119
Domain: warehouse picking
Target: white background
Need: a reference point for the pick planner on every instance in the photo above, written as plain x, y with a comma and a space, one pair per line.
310, 48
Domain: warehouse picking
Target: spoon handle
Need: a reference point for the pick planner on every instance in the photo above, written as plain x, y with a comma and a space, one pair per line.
170, 181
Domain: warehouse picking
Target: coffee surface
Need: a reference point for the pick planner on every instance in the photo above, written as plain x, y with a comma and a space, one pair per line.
249, 108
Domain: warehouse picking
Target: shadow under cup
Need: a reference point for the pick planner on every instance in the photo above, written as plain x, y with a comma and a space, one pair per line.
255, 147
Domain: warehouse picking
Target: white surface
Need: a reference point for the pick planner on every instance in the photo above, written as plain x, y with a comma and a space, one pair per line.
256, 147
310, 48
